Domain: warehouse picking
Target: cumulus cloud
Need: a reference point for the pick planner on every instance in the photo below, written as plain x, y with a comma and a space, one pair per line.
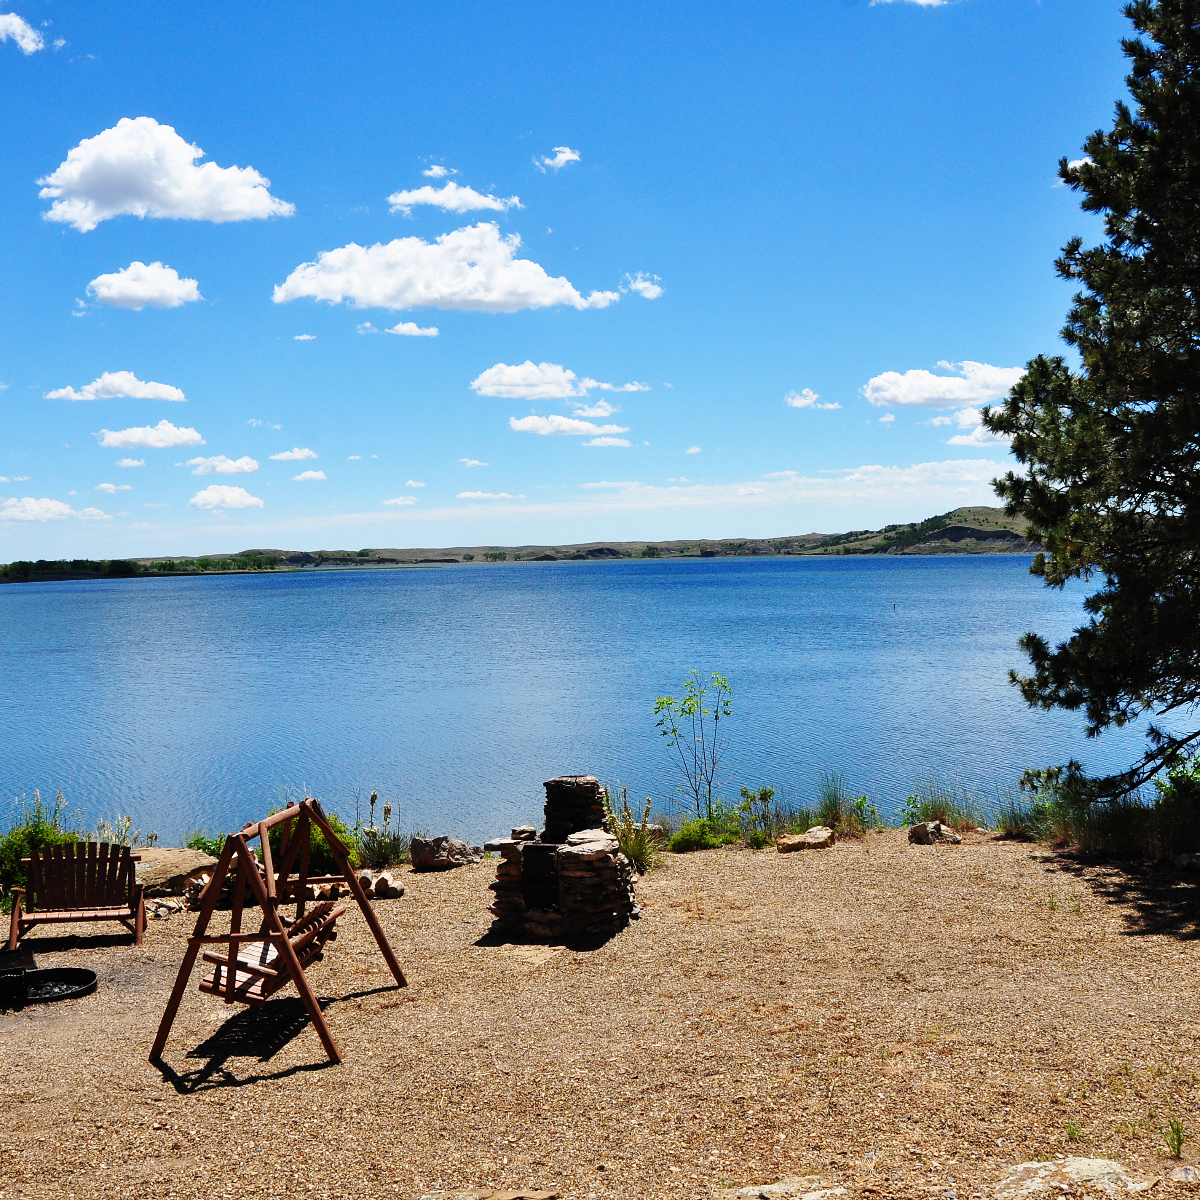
113, 384
806, 399
437, 171
29, 509
606, 483
541, 381
692, 450
608, 441
220, 465
971, 383
304, 337
646, 286
112, 488
556, 425
919, 3
295, 454
137, 285
400, 501
472, 462
131, 462
223, 495
28, 40
887, 418
307, 475
970, 420
450, 197
413, 483
163, 436
559, 159
145, 169
601, 408
487, 496
412, 329
473, 269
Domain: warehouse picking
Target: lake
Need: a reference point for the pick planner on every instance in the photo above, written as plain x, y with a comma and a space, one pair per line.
195, 703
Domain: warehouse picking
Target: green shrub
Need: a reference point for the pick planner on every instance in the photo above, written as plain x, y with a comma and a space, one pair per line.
703, 834
37, 827
196, 840
636, 840
320, 857
951, 804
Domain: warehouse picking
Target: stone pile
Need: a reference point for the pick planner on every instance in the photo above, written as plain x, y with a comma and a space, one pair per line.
571, 881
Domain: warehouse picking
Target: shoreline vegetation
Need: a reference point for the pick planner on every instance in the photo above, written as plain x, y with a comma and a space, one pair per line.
973, 530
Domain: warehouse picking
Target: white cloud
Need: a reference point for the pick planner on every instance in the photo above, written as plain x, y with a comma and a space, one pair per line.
304, 337
412, 329
29, 509
413, 483
220, 465
400, 501
561, 156
112, 488
806, 399
487, 496
473, 269
472, 462
971, 420
887, 418
59, 43
972, 383
163, 436
113, 384
254, 421
919, 3
692, 450
646, 286
354, 458
608, 441
437, 171
366, 327
131, 462
556, 425
145, 169
452, 198
307, 475
137, 285
1073, 165
601, 408
223, 495
295, 454
604, 483
20, 31
542, 381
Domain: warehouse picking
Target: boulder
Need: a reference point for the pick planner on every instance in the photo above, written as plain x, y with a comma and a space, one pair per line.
1184, 1175
443, 853
167, 871
819, 837
930, 833
1101, 1176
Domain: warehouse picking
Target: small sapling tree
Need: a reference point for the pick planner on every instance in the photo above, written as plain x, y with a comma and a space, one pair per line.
691, 727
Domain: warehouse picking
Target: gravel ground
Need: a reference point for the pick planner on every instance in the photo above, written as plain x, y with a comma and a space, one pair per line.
899, 1020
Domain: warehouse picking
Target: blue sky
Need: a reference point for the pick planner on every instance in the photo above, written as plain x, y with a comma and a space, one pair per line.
763, 265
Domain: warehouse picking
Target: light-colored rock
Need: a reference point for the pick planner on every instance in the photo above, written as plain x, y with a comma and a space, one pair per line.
524, 833
806, 1187
387, 886
443, 853
819, 837
1101, 1175
589, 835
167, 870
1184, 1175
930, 833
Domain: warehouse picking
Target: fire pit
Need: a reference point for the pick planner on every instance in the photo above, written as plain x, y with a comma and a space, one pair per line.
572, 880
20, 987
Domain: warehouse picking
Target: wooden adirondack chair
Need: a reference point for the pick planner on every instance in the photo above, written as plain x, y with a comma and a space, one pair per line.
249, 973
79, 881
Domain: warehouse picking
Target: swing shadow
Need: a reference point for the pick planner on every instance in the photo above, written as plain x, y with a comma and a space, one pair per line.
260, 1032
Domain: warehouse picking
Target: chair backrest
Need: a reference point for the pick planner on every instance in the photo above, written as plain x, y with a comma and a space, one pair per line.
80, 875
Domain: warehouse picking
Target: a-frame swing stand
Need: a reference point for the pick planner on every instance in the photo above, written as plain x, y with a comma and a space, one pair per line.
287, 946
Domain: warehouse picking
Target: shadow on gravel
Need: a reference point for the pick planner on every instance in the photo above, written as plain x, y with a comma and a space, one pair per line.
258, 1033
1153, 899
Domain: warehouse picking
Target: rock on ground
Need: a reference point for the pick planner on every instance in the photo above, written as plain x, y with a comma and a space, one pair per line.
819, 837
443, 853
929, 833
806, 1187
1101, 1175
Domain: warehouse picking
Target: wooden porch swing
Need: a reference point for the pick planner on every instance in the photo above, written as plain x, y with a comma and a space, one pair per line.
251, 975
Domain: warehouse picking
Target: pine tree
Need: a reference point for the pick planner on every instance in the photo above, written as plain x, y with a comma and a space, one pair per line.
1111, 486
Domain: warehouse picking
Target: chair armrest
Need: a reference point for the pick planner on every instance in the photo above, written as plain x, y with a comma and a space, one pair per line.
17, 891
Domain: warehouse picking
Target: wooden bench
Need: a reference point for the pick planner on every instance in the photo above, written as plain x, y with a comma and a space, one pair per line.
79, 881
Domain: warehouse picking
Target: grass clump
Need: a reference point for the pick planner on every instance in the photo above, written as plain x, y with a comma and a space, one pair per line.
640, 842
1175, 1135
840, 810
380, 848
38, 826
951, 804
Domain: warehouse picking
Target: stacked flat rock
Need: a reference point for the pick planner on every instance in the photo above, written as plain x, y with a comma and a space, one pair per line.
573, 802
595, 883
508, 905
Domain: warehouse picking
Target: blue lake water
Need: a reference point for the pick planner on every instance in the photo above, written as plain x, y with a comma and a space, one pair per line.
190, 703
